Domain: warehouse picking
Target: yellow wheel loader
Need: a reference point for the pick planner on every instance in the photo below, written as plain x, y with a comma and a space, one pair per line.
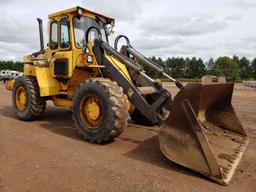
79, 69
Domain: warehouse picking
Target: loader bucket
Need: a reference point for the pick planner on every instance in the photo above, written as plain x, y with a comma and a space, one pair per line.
203, 132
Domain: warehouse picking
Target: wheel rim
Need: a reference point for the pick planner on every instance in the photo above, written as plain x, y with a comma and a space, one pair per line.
91, 111
21, 99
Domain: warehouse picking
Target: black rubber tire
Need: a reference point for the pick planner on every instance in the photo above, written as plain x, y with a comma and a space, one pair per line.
36, 105
115, 111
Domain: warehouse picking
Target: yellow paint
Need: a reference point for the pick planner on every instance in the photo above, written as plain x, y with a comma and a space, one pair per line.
131, 107
21, 98
49, 86
62, 102
96, 66
28, 66
29, 70
91, 111
74, 11
76, 57
120, 66
79, 69
77, 77
9, 84
81, 58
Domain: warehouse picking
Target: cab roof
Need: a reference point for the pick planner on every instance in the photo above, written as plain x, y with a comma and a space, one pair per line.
74, 10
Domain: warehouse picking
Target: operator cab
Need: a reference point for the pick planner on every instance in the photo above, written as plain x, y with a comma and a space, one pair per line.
69, 32
74, 23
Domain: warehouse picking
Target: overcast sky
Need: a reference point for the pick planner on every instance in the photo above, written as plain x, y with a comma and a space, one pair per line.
166, 28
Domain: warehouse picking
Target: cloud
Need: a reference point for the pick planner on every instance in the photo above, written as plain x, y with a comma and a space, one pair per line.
13, 51
184, 25
235, 17
246, 4
166, 28
19, 34
124, 10
145, 43
24, 30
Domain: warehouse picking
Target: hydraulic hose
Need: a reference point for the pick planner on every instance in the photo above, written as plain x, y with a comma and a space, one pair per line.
152, 65
145, 60
128, 43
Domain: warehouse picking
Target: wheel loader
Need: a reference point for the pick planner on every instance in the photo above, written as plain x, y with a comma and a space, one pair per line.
105, 86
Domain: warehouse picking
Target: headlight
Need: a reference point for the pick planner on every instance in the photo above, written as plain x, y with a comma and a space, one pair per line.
80, 11
89, 59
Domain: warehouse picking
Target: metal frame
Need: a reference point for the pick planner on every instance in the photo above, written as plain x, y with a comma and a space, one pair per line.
150, 111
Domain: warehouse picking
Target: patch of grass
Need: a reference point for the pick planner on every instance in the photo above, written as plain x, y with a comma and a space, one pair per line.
185, 80
189, 80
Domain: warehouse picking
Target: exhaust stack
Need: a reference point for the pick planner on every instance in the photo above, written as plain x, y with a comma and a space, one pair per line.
41, 35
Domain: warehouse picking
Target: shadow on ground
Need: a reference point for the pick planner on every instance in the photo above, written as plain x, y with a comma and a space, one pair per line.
7, 111
56, 120
59, 121
149, 151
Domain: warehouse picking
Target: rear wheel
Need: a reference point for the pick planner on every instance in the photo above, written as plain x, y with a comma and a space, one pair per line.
27, 103
100, 110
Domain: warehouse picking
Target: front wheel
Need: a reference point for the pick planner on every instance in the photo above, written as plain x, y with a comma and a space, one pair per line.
100, 110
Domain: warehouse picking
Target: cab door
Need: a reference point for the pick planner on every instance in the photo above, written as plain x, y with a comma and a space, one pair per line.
60, 46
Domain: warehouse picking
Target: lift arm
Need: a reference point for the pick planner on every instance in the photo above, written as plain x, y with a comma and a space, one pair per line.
134, 95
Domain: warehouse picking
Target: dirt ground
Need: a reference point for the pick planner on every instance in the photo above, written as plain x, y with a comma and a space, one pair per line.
48, 155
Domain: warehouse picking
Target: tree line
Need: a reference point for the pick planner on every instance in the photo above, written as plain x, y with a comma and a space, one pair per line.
234, 68
11, 65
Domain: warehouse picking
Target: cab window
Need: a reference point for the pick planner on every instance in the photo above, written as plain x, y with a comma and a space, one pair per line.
64, 34
81, 25
54, 35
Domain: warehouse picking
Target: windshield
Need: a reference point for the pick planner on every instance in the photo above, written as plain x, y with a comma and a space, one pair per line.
81, 25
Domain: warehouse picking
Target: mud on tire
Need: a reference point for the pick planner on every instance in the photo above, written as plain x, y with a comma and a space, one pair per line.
35, 105
114, 112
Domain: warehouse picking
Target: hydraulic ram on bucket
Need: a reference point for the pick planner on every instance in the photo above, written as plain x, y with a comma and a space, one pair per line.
202, 131
141, 58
